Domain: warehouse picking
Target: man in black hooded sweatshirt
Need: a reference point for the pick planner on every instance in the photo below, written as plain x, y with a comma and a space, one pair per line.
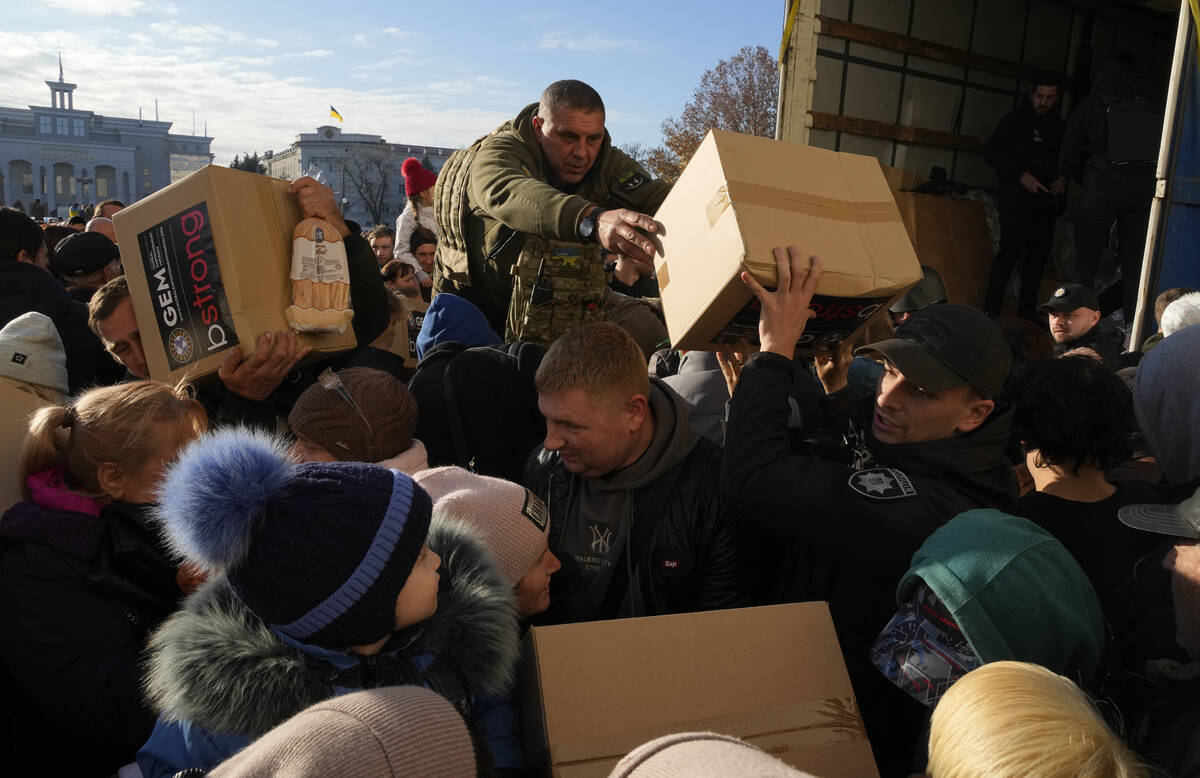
1111, 144
852, 517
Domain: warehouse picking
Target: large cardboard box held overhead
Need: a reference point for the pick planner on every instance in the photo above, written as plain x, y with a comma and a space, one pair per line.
773, 676
208, 261
739, 197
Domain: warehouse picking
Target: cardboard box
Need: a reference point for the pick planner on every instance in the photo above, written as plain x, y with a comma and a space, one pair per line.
949, 234
14, 428
404, 339
773, 676
741, 196
208, 261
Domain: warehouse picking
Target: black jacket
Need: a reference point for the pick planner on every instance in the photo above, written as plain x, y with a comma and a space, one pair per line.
852, 530
1104, 339
698, 556
79, 595
1025, 141
24, 288
1085, 138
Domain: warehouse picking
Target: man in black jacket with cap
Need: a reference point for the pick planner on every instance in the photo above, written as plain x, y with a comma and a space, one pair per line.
1024, 150
853, 517
87, 261
1073, 312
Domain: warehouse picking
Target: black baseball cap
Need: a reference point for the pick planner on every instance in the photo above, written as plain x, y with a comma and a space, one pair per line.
1182, 520
948, 345
83, 253
1069, 297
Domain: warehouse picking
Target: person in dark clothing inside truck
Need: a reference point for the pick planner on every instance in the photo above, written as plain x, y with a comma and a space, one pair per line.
1024, 150
852, 516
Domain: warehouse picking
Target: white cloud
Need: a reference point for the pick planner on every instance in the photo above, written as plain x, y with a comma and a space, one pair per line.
370, 38
570, 42
250, 100
104, 8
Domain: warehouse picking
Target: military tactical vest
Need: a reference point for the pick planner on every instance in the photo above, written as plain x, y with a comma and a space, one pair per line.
451, 206
557, 287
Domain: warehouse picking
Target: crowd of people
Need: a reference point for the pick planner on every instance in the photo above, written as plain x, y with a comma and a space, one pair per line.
303, 566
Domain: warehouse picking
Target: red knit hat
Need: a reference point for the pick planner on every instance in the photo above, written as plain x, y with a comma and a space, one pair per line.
416, 178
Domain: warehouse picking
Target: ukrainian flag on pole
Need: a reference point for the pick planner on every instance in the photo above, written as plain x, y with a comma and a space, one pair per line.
333, 112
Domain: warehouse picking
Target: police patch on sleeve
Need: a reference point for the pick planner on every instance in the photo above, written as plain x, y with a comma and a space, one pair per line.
630, 180
882, 483
535, 510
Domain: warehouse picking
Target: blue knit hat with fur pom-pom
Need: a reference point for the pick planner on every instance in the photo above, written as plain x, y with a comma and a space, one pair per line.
320, 551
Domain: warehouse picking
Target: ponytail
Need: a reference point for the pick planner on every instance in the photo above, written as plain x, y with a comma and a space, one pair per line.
46, 444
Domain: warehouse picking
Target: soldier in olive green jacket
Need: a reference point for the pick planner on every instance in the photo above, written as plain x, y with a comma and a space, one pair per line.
551, 172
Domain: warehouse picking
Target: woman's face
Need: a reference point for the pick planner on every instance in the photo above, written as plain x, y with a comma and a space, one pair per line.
426, 196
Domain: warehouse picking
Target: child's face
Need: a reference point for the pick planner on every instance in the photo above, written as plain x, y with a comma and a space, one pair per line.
533, 590
417, 601
139, 487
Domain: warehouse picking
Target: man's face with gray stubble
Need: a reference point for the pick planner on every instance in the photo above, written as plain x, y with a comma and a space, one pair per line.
570, 140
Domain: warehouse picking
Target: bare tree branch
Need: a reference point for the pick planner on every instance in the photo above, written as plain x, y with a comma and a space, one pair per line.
738, 94
368, 173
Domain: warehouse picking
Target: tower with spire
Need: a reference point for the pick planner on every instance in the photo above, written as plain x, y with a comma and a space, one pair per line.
62, 94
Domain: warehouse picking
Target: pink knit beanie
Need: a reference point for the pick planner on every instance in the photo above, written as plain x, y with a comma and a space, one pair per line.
389, 731
510, 520
701, 755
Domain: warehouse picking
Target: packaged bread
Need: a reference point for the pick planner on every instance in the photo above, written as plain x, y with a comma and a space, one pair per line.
320, 279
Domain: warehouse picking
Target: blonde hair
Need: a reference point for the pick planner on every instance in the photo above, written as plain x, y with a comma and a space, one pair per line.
1020, 720
602, 359
108, 424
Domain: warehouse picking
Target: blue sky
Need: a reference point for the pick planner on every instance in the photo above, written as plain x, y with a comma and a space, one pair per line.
423, 73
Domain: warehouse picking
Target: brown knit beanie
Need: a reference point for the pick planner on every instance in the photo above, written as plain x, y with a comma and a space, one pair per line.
700, 755
369, 417
389, 731
511, 521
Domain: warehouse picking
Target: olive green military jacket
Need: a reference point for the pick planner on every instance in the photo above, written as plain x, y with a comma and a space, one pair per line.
491, 195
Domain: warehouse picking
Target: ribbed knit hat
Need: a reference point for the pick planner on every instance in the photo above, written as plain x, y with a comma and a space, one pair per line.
700, 755
365, 416
32, 351
416, 178
320, 551
397, 731
512, 521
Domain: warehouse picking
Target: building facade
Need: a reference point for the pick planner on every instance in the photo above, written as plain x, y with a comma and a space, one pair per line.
364, 170
59, 154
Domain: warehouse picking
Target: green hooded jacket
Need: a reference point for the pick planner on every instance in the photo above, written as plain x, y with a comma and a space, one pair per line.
492, 194
1015, 592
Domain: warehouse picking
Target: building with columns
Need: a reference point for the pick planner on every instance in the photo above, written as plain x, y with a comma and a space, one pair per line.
60, 154
364, 170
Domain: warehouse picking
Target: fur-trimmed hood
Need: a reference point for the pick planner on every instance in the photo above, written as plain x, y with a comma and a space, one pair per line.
217, 665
